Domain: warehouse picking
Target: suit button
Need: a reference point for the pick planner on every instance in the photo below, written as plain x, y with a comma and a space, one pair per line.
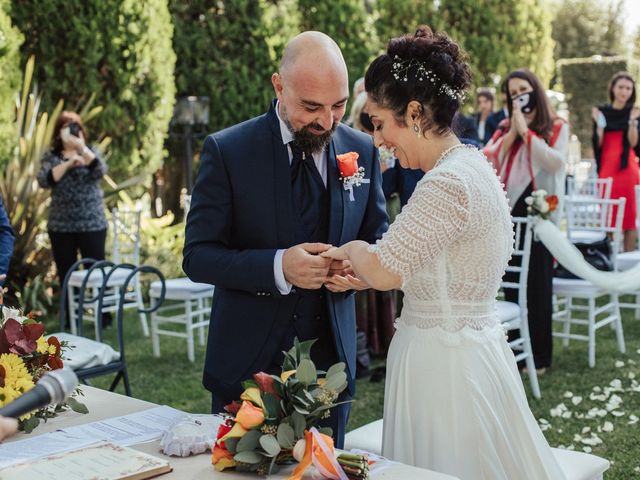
268, 294
317, 318
294, 317
321, 296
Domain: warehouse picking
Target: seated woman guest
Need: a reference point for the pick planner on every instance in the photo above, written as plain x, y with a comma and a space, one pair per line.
616, 148
73, 171
529, 151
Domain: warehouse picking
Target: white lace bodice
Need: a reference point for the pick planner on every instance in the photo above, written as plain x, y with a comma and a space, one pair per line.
451, 244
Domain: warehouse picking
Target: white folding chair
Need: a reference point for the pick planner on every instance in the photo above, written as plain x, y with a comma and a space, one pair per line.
514, 316
586, 189
191, 307
125, 248
589, 188
594, 216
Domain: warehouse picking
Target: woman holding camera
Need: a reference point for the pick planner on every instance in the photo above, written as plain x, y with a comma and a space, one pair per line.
73, 171
615, 146
529, 151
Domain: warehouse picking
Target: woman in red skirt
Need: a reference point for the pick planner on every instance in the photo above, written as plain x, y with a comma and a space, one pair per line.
615, 145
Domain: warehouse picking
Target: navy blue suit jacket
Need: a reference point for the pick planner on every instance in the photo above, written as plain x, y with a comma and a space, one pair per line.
6, 241
241, 213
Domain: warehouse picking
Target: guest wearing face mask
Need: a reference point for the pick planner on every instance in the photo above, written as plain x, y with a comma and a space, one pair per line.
616, 148
529, 151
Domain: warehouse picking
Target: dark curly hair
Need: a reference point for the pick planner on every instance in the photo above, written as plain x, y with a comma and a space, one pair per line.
437, 53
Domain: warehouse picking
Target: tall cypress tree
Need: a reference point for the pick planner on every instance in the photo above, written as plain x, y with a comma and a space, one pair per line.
10, 75
228, 51
398, 17
118, 49
347, 22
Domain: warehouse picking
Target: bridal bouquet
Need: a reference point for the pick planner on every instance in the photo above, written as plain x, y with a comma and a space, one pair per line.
540, 204
25, 355
276, 418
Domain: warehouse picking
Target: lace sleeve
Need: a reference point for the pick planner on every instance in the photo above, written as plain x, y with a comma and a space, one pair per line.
433, 219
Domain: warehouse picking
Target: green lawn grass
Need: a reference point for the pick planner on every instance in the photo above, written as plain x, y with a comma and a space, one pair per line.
173, 380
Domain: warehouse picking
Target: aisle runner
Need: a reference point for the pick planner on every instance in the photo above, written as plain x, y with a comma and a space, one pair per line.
126, 430
571, 258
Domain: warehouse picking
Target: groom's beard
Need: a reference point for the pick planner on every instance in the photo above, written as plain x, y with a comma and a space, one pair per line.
310, 142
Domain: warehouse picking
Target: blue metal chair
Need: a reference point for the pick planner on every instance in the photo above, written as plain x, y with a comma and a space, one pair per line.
115, 363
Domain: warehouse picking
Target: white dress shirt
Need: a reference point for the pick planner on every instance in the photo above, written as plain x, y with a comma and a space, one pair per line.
320, 159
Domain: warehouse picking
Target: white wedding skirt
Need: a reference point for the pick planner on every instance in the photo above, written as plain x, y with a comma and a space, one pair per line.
454, 403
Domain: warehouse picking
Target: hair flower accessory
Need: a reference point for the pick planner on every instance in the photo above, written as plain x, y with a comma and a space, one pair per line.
350, 173
402, 68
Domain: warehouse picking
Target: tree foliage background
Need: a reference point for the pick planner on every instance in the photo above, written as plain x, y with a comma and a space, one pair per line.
582, 28
119, 50
10, 76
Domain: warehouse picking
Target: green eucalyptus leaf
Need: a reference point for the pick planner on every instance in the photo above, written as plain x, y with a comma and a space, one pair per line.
270, 445
29, 425
306, 372
328, 431
336, 368
299, 424
336, 382
249, 441
285, 435
249, 384
232, 444
77, 406
271, 406
301, 410
248, 457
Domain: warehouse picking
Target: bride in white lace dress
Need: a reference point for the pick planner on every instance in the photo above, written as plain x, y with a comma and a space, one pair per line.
454, 400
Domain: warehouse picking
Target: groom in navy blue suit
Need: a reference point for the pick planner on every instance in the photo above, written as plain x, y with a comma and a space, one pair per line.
268, 199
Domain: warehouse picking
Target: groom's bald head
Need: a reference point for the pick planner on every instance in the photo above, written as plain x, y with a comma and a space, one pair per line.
312, 51
312, 86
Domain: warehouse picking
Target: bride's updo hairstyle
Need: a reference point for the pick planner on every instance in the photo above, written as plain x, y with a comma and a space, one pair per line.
427, 67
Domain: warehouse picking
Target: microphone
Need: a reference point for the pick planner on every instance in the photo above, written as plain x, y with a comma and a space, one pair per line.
52, 388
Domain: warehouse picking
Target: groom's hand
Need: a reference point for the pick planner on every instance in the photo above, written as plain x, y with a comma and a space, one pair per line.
304, 267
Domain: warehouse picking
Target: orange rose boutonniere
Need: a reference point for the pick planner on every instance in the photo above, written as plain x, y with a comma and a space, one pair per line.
350, 173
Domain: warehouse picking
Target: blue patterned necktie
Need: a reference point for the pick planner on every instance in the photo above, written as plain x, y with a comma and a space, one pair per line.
307, 189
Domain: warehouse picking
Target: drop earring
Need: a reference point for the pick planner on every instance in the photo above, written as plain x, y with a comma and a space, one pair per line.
416, 129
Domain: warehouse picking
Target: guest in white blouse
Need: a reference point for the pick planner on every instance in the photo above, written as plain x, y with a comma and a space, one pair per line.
529, 151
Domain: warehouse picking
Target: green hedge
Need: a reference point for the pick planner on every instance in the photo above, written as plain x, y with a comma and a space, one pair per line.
121, 51
585, 82
10, 75
228, 51
347, 22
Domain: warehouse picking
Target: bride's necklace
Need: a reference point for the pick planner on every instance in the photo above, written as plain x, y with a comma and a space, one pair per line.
444, 154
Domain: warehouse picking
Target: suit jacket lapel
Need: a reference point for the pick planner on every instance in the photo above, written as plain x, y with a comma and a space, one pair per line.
282, 183
336, 215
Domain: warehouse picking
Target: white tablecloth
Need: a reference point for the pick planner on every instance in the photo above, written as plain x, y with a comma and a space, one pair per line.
103, 404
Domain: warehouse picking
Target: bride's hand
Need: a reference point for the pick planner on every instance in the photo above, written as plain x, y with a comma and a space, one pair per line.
336, 253
340, 283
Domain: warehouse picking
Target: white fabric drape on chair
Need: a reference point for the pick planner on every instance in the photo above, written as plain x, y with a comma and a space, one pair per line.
571, 258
